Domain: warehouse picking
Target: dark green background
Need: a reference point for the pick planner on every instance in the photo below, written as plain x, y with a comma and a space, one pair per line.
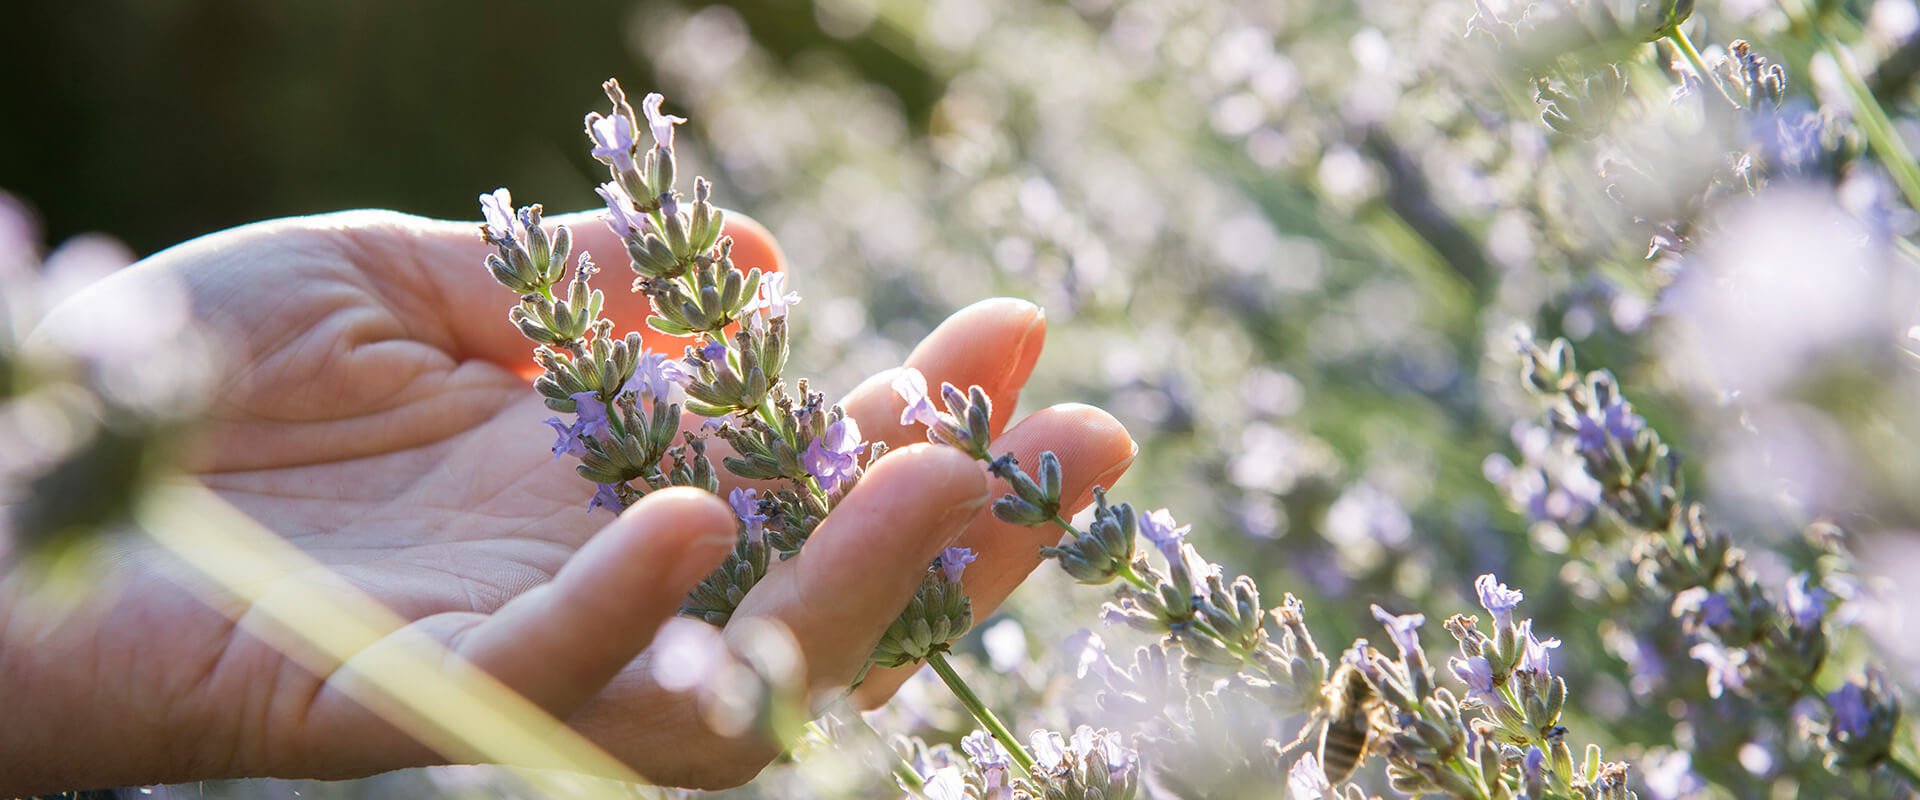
159, 121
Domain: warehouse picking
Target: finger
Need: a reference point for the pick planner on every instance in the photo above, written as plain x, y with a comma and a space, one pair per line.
1094, 450
836, 597
863, 564
445, 267
558, 644
993, 344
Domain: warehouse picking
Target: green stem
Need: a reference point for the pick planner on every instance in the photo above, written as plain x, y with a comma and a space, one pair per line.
1127, 574
994, 726
1680, 42
1874, 122
1905, 771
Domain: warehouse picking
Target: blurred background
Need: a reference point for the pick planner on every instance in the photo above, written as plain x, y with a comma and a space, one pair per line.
1288, 243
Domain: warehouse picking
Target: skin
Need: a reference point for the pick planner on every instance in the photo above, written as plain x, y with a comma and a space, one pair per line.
376, 413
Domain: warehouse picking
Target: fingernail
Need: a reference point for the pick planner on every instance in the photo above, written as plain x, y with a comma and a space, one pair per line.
1105, 480
958, 516
1021, 351
695, 559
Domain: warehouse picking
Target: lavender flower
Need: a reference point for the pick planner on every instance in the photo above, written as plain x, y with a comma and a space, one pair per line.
1806, 606
1723, 667
954, 561
911, 385
502, 227
592, 413
613, 140
669, 204
832, 457
1497, 599
746, 506
1403, 629
1307, 780
1049, 750
655, 376
1159, 528
621, 215
1534, 764
714, 352
660, 124
774, 298
1477, 673
1616, 422
945, 783
1533, 652
991, 760
590, 420
567, 440
1702, 607
1851, 713
606, 497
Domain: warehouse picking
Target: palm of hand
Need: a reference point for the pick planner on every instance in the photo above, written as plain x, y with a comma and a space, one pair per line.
374, 425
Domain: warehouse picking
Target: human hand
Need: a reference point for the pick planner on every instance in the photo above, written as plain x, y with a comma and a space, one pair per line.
377, 416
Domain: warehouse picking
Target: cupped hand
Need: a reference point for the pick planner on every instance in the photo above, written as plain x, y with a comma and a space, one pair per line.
377, 414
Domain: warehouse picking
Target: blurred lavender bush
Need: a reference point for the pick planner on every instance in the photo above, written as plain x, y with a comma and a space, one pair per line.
1290, 244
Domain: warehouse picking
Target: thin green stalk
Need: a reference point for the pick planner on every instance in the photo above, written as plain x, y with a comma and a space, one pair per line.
980, 712
1905, 771
1882, 137
1680, 42
1874, 122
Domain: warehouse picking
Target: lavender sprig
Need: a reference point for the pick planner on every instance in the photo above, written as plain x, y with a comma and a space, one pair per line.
1762, 646
626, 401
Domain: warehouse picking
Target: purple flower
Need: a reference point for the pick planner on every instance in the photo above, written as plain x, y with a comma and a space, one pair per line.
1121, 759
590, 420
606, 497
1616, 422
1307, 780
612, 140
1497, 599
1361, 655
502, 227
1403, 629
1533, 652
992, 760
1534, 764
1477, 673
656, 375
621, 216
773, 296
567, 442
661, 124
669, 204
1704, 606
1159, 528
1852, 714
832, 457
912, 387
945, 783
954, 561
592, 416
985, 751
746, 506
1049, 750
1807, 606
715, 352
1723, 667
